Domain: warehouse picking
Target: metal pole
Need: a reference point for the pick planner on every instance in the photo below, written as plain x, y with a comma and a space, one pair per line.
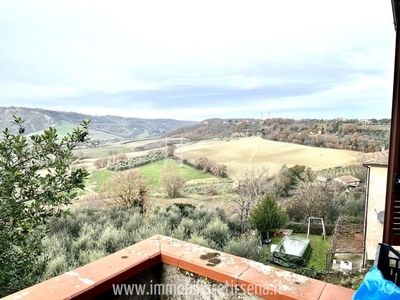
323, 229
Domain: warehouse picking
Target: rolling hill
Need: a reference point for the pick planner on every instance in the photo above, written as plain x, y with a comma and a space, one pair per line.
102, 127
241, 153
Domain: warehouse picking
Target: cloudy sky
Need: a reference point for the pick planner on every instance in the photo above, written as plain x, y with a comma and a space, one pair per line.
193, 60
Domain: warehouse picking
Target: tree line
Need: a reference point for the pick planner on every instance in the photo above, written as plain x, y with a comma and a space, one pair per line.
358, 135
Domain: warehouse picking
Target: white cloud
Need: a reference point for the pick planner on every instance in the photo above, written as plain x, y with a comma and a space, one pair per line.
85, 50
15, 91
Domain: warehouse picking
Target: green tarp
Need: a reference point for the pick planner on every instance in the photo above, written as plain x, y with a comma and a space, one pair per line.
292, 252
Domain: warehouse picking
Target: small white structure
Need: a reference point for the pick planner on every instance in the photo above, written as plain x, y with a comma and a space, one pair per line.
346, 266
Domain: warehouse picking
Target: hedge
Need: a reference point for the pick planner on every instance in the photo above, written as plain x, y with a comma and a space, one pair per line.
135, 162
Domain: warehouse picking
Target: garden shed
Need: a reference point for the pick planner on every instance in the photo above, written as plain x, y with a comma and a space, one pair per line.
292, 252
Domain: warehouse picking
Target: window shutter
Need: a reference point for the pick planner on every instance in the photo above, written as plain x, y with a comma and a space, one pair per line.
391, 228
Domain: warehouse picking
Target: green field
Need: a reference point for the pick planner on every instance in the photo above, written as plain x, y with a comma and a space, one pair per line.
65, 128
151, 173
97, 178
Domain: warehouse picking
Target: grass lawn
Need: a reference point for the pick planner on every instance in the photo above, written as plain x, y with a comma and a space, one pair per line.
319, 246
318, 258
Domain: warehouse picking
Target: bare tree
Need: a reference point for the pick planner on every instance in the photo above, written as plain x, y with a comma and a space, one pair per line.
171, 150
249, 188
127, 189
208, 166
310, 199
101, 162
79, 155
112, 155
121, 156
203, 163
112, 152
219, 170
172, 182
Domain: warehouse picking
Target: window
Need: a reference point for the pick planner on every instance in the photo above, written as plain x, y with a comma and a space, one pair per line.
391, 229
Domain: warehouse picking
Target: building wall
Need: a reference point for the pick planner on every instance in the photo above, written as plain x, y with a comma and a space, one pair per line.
201, 288
376, 203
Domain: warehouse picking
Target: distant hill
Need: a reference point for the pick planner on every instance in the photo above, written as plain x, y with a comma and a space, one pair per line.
359, 135
101, 128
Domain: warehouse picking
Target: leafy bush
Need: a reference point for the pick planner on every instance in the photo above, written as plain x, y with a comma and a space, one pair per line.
36, 182
185, 229
83, 242
185, 208
134, 223
88, 256
198, 240
247, 246
355, 207
347, 203
56, 266
89, 234
174, 217
217, 233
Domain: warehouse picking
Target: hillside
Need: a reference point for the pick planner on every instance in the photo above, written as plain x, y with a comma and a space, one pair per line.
359, 135
238, 154
102, 127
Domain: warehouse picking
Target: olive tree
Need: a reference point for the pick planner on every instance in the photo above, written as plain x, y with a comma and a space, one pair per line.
36, 183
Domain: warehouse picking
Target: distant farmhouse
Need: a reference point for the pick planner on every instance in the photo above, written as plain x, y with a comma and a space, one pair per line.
349, 181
